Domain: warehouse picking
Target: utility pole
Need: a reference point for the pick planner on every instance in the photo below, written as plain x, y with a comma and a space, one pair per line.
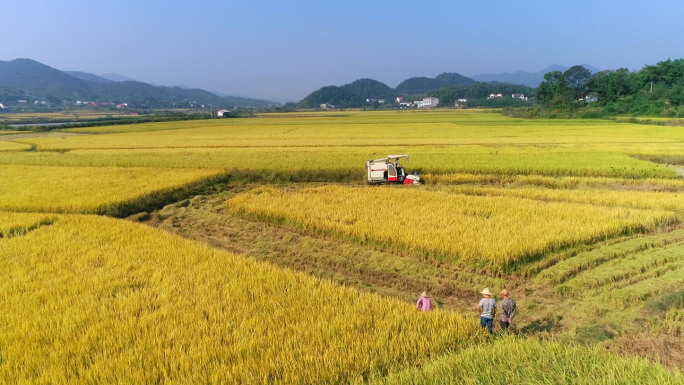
651, 86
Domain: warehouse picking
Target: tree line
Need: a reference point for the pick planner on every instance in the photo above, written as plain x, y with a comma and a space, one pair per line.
655, 90
477, 95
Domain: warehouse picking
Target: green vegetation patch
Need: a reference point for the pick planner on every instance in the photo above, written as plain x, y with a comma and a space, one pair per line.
511, 360
667, 301
621, 287
587, 260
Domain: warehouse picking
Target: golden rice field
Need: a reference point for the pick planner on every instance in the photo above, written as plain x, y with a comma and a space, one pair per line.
436, 160
98, 300
562, 182
12, 146
655, 200
18, 223
16, 117
402, 128
585, 211
85, 189
440, 142
481, 231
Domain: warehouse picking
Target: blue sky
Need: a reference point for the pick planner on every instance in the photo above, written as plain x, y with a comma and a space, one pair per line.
285, 50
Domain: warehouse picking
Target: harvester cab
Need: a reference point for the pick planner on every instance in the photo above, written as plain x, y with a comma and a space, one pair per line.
390, 170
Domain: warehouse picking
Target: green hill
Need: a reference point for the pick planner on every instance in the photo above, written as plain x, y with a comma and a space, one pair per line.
88, 76
421, 85
349, 95
31, 80
364, 91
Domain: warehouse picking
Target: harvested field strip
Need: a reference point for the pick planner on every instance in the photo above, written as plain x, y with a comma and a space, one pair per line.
607, 289
481, 232
98, 300
587, 261
629, 269
634, 293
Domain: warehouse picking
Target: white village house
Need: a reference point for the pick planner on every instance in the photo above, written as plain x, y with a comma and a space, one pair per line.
429, 102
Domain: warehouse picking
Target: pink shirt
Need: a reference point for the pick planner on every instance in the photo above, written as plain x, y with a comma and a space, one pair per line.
424, 304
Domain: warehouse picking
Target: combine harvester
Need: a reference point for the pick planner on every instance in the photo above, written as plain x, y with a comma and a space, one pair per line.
389, 170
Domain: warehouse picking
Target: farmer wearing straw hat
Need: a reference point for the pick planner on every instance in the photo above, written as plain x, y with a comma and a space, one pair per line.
424, 303
507, 310
487, 309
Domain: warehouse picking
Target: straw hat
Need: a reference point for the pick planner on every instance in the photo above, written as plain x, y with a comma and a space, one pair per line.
486, 291
424, 294
504, 292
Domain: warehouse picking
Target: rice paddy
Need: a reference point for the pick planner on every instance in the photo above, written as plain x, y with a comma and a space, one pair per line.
85, 189
580, 218
12, 224
491, 232
120, 302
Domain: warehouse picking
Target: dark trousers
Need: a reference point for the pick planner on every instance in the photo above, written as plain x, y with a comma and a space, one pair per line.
487, 322
504, 325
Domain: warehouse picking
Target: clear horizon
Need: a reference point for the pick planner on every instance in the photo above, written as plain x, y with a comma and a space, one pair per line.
284, 51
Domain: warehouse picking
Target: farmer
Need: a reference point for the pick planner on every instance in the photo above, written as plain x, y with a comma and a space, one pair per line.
424, 303
507, 310
487, 309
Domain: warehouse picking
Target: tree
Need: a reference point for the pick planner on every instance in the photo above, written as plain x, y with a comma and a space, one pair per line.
551, 90
610, 85
654, 90
576, 79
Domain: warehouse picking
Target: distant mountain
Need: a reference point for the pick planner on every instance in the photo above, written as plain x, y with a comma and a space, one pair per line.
421, 85
353, 94
360, 92
88, 76
35, 81
530, 79
117, 78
